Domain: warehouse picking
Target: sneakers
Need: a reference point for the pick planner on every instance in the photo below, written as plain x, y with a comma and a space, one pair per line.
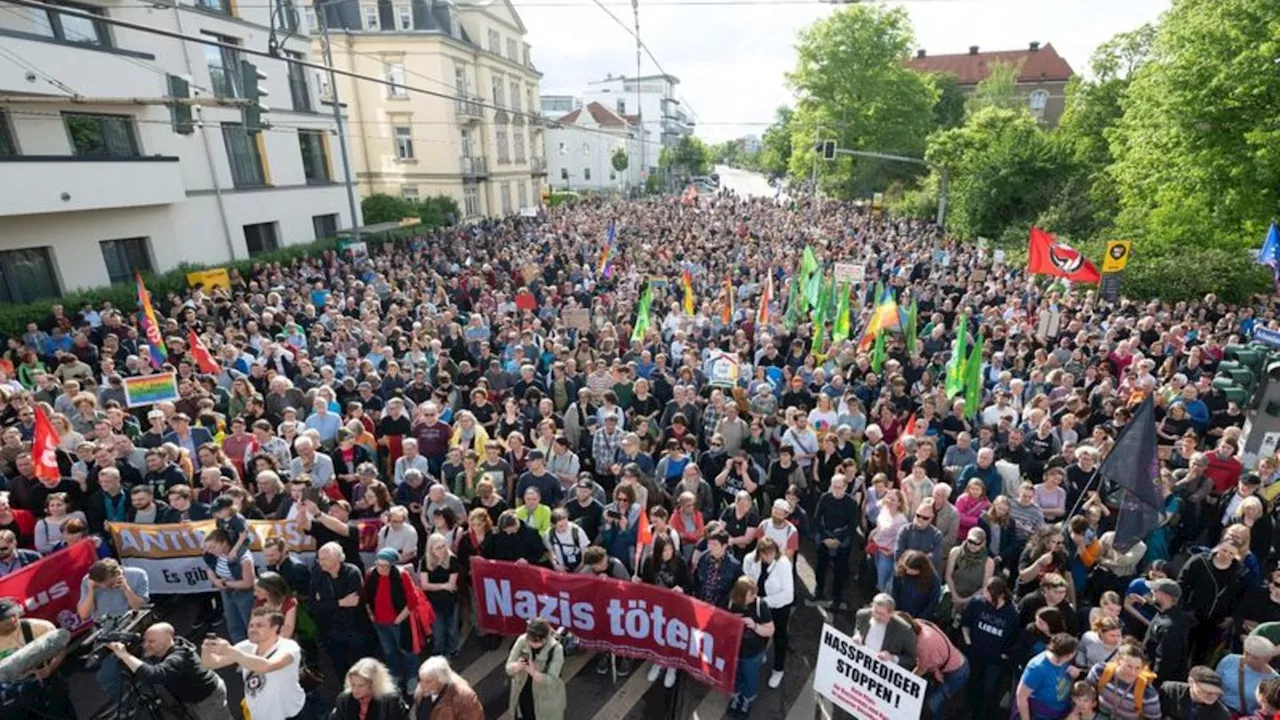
624, 667
775, 678
670, 680
602, 665
654, 672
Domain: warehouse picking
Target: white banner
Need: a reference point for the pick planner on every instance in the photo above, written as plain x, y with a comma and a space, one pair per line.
849, 273
868, 688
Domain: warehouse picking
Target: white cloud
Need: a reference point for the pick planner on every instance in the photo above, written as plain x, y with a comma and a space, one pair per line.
731, 60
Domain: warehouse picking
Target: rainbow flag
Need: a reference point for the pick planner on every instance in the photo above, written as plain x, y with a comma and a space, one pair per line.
727, 315
885, 317
766, 297
606, 256
687, 280
150, 389
155, 339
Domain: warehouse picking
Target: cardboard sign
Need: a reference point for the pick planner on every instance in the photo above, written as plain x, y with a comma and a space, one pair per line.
862, 685
1050, 322
850, 273
579, 319
722, 369
997, 256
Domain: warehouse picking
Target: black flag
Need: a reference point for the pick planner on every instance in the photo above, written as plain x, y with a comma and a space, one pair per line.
1132, 467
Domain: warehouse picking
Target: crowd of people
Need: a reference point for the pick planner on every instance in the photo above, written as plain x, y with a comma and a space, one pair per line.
450, 390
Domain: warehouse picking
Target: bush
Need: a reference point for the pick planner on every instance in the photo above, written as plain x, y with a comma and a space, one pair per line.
1190, 273
916, 203
558, 198
435, 211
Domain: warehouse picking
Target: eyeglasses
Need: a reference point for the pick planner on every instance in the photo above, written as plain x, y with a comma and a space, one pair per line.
926, 518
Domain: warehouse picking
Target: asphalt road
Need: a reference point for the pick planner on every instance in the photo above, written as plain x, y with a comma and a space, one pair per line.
744, 182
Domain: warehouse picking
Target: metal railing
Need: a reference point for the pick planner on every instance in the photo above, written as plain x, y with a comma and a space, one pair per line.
468, 107
474, 166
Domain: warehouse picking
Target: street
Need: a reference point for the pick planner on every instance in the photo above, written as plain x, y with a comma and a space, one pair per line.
744, 182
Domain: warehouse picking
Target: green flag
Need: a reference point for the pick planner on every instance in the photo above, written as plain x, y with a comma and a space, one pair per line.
813, 288
877, 353
642, 315
809, 262
875, 299
973, 379
840, 330
911, 327
793, 304
819, 319
954, 383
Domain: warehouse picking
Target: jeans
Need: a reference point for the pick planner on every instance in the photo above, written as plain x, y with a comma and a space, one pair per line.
237, 605
445, 631
952, 683
884, 572
344, 646
781, 616
110, 677
402, 664
840, 560
747, 682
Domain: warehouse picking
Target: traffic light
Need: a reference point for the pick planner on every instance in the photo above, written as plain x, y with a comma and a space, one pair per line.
828, 149
254, 82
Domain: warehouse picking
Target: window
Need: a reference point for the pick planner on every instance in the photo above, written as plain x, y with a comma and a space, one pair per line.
370, 17
504, 149
8, 143
244, 156
125, 256
512, 53
325, 226
586, 149
404, 142
564, 173
394, 72
286, 16
460, 80
527, 59
326, 89
409, 192
74, 29
313, 22
522, 193
260, 238
224, 68
315, 158
504, 190
495, 42
218, 6
586, 173
298, 91
613, 175
404, 17
518, 140
1039, 99
101, 135
470, 200
564, 149
27, 275
621, 106
465, 136
515, 96
499, 92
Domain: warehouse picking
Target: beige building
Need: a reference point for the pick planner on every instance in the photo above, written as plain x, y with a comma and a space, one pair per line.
415, 145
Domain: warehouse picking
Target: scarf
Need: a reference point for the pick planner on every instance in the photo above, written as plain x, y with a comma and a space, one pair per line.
967, 560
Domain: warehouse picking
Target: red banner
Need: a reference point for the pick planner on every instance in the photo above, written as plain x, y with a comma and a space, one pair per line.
50, 587
625, 618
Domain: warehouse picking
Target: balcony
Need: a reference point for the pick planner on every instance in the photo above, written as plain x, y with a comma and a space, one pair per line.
64, 183
469, 109
538, 165
109, 71
474, 167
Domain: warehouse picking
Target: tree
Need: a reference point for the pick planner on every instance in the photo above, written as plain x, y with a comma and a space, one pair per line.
775, 151
435, 211
999, 90
850, 80
619, 160
948, 109
687, 157
1197, 151
726, 153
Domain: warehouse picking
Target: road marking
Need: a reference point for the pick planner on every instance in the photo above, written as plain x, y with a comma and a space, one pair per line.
571, 668
627, 696
804, 571
487, 663
713, 706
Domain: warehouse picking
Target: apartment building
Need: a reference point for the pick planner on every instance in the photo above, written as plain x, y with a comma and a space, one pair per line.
483, 144
581, 145
654, 98
1042, 77
117, 180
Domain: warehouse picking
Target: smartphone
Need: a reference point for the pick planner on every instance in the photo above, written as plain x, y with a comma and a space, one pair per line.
614, 514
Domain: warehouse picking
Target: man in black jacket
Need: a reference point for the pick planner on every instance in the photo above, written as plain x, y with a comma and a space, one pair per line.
834, 522
515, 541
1198, 699
173, 663
1166, 641
275, 551
144, 508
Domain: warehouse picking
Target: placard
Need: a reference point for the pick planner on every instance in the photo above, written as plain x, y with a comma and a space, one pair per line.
579, 319
211, 279
150, 389
1270, 338
997, 256
722, 369
862, 685
1117, 255
850, 273
979, 275
1049, 324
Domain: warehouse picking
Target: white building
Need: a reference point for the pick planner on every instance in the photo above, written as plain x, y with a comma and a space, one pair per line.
95, 189
580, 149
750, 143
664, 118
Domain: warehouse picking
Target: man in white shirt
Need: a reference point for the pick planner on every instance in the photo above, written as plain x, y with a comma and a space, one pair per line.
885, 635
268, 662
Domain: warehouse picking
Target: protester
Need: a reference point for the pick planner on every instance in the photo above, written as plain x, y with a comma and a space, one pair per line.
442, 694
758, 627
534, 665
268, 663
369, 693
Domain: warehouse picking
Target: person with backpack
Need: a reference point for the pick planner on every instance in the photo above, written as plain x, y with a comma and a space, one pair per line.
1126, 686
565, 542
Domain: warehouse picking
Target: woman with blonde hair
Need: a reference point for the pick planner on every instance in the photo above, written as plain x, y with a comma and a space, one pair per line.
369, 693
467, 433
439, 579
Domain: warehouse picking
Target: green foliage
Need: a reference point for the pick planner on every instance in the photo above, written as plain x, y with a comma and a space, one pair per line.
653, 184
619, 160
948, 109
1004, 170
775, 153
917, 203
726, 152
1190, 273
851, 82
1197, 152
561, 198
688, 157
435, 211
998, 90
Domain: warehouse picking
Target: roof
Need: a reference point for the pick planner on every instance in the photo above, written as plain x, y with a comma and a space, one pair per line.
601, 115
971, 68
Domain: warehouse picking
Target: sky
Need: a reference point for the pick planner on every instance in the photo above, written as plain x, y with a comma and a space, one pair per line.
732, 60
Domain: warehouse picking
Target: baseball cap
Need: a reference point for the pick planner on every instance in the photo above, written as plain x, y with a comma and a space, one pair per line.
157, 414
1168, 587
1205, 676
782, 505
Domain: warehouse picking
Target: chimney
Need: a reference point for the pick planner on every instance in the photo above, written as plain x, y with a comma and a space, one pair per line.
920, 53
973, 49
1035, 47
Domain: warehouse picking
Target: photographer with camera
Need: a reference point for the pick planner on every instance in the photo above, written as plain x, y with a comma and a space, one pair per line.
172, 662
109, 590
534, 664
269, 664
43, 688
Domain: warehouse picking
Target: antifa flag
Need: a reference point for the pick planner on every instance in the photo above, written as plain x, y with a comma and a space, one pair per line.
1132, 468
1046, 255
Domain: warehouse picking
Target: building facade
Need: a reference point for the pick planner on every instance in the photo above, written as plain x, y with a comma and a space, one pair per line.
119, 181
662, 114
580, 149
1043, 74
415, 145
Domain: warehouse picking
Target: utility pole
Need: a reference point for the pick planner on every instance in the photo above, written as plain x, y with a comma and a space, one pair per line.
813, 174
635, 10
337, 118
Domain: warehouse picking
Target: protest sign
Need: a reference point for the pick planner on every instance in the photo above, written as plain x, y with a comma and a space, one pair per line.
50, 587
623, 618
211, 279
173, 553
1270, 338
849, 273
579, 319
863, 685
150, 389
722, 369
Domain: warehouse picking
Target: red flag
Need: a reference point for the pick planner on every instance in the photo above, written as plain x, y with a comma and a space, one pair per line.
204, 358
1046, 255
900, 447
44, 447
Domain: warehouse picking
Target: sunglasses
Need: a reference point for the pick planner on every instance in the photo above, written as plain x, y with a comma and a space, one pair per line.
926, 518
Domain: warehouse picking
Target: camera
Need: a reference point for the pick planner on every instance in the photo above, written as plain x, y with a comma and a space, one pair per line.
613, 514
125, 628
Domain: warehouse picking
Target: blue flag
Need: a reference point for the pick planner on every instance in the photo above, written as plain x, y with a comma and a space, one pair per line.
1269, 255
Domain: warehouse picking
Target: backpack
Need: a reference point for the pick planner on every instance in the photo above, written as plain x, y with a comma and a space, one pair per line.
1145, 677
